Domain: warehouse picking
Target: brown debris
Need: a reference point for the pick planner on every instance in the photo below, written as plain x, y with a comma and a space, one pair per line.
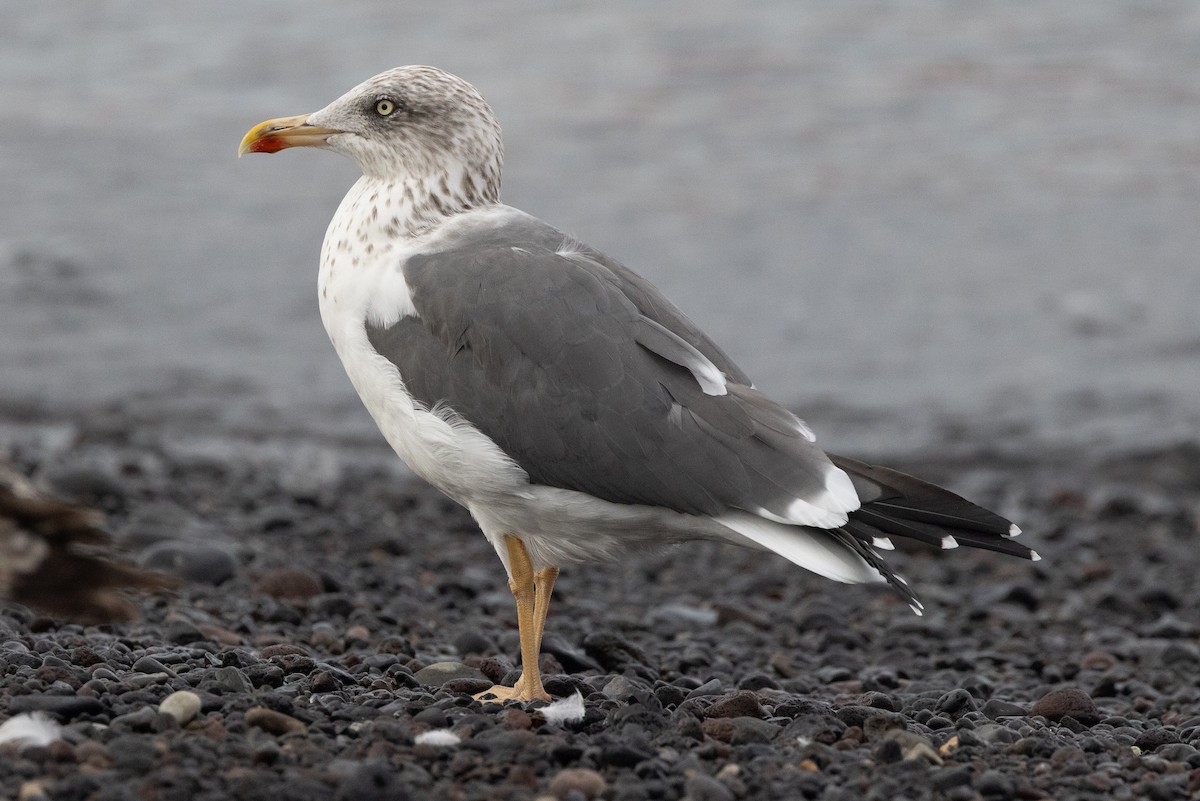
52, 559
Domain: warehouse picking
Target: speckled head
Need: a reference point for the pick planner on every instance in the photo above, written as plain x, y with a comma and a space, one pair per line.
417, 126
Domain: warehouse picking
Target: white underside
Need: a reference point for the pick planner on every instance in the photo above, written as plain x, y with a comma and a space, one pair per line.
557, 526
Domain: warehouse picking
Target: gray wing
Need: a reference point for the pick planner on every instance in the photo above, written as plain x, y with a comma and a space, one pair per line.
551, 357
654, 305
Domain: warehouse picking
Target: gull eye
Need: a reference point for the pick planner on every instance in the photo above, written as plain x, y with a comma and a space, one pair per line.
384, 106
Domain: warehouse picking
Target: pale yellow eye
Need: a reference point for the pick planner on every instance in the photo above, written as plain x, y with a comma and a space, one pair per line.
384, 107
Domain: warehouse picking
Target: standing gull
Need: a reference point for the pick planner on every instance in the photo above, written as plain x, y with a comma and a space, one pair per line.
556, 394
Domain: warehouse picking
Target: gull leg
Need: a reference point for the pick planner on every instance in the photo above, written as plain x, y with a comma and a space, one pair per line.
527, 589
543, 585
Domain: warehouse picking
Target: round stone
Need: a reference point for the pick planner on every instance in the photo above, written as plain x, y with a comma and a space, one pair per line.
182, 705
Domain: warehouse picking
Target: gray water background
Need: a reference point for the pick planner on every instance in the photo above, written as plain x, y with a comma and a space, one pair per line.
917, 223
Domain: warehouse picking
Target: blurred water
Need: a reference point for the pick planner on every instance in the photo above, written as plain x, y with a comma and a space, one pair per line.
915, 222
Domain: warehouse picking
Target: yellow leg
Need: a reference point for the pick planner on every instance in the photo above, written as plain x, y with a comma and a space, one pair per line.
532, 593
543, 585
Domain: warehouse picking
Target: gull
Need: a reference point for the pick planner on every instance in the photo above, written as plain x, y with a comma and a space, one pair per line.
553, 392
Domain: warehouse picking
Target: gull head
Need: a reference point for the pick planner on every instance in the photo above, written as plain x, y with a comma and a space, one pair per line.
409, 125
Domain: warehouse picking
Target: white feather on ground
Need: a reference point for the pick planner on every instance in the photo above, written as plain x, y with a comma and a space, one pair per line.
438, 738
30, 729
564, 710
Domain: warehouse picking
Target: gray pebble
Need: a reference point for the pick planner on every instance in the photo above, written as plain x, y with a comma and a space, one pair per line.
705, 788
988, 734
995, 708
622, 687
183, 632
439, 673
711, 687
678, 616
228, 680
138, 720
202, 562
147, 679
912, 746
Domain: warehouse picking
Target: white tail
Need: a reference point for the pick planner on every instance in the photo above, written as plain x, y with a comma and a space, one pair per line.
811, 550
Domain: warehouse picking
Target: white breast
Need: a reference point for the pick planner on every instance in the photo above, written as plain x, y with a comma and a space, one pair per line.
361, 281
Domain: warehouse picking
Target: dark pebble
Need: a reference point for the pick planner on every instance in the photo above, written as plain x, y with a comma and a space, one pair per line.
87, 486
563, 686
331, 606
148, 664
740, 730
1069, 701
282, 649
705, 788
572, 659
625, 755
1151, 739
183, 632
880, 700
132, 752
439, 673
370, 781
291, 663
814, 727
995, 708
742, 704
473, 642
758, 681
273, 722
857, 715
880, 679
265, 674
995, 786
889, 752
668, 695
290, 583
948, 778
143, 720
64, 706
200, 562
227, 680
831, 674
468, 686
955, 703
1179, 752
612, 652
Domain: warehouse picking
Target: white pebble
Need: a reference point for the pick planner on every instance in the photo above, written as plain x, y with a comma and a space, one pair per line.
181, 705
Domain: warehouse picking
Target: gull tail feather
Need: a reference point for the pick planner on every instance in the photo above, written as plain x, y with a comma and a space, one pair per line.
896, 504
833, 553
823, 552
